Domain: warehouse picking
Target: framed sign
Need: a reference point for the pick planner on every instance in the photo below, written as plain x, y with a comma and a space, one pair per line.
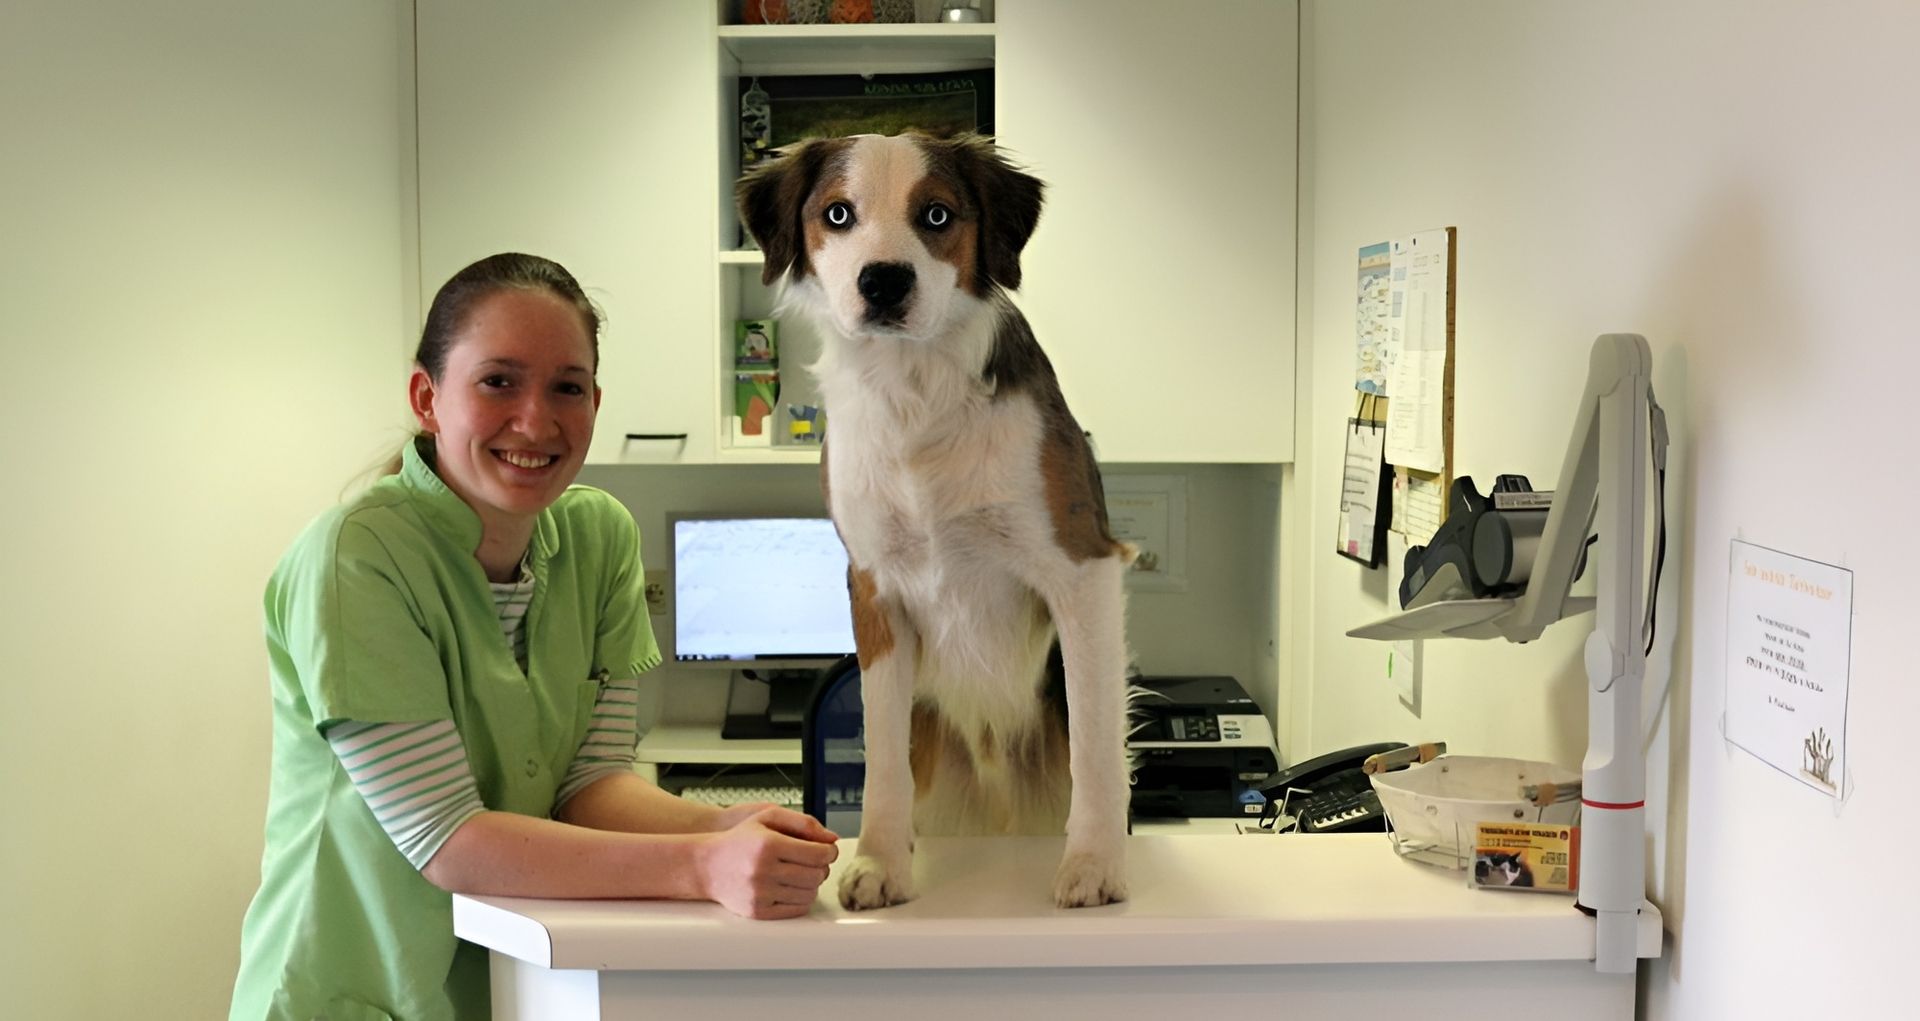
1789, 652
1150, 512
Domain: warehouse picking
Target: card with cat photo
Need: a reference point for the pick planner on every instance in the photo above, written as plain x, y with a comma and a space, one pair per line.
1536, 857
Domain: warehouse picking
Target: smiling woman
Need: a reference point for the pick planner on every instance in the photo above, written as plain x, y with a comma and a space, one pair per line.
455, 655
510, 408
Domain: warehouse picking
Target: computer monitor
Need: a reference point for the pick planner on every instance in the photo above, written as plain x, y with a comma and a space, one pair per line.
758, 591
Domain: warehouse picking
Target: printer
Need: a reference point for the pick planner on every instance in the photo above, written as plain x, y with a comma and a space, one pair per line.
1200, 747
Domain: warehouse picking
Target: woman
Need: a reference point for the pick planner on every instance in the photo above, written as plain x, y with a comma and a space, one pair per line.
454, 657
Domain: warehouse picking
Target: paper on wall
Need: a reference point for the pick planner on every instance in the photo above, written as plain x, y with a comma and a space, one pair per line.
1360, 491
1418, 506
1374, 350
1789, 651
1416, 425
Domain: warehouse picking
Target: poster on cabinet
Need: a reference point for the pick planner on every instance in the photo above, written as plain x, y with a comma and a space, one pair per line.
1789, 650
1149, 512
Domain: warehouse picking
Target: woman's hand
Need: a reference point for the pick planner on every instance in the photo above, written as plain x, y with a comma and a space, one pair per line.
769, 863
733, 815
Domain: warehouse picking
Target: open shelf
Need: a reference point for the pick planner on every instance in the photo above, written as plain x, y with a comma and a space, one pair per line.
854, 49
1461, 618
701, 742
769, 455
745, 51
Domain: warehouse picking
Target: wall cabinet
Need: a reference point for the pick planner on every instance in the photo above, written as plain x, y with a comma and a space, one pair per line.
1161, 278
583, 132
1160, 281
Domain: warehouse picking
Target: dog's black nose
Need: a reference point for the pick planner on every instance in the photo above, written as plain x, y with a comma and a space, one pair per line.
886, 284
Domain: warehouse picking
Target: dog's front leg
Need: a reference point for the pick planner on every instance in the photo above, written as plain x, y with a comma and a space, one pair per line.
882, 872
1089, 609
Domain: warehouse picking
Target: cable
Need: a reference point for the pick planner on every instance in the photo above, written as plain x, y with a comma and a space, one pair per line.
1657, 423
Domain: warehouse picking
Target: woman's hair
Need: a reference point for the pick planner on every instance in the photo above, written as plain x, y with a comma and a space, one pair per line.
459, 296
453, 306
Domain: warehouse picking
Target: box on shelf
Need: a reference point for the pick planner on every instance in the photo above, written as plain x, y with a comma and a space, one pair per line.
756, 381
800, 425
755, 395
755, 344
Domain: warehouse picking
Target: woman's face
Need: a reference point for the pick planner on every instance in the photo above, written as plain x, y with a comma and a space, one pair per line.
512, 413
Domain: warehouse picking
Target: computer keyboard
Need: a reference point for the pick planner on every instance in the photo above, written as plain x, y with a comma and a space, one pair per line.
715, 794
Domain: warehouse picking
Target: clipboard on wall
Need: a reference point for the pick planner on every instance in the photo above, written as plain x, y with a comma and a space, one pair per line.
1366, 495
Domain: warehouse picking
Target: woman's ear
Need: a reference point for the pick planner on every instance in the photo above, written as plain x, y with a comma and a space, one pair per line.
420, 395
771, 197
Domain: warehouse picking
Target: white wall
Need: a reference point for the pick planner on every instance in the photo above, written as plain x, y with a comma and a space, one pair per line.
206, 297
204, 310
1737, 182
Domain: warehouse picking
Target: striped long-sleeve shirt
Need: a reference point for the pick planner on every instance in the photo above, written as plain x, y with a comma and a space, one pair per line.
415, 775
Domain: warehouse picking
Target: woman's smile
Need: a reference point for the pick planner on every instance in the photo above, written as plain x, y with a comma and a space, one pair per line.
526, 460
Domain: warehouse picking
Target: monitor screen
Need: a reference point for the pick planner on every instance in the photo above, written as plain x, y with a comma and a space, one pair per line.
759, 590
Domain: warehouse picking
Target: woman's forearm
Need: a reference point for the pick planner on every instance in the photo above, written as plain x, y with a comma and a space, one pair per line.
509, 855
625, 803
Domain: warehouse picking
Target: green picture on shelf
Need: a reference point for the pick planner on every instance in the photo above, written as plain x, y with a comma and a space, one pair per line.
777, 110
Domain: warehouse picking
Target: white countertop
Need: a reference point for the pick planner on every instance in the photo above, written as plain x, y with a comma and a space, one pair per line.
984, 902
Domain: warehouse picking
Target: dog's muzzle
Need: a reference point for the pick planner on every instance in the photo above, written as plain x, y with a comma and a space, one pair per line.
886, 285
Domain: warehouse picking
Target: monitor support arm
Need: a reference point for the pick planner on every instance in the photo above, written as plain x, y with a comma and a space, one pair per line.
1608, 452
1602, 484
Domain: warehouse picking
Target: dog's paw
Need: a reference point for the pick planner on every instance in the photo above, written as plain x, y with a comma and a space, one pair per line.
870, 883
1089, 880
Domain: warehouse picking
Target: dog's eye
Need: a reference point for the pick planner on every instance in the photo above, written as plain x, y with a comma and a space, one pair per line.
840, 216
936, 217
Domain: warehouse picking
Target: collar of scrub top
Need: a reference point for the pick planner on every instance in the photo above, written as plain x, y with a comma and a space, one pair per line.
450, 514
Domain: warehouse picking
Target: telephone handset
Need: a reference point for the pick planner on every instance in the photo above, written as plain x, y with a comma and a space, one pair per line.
1331, 792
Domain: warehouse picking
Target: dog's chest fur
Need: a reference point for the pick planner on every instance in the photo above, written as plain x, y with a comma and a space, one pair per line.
934, 481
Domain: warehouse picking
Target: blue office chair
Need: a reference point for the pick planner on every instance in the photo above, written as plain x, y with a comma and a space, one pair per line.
833, 757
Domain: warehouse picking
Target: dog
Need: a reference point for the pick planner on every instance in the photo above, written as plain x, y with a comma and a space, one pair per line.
969, 503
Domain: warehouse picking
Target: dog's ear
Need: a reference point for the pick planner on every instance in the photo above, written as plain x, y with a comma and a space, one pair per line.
1009, 202
769, 198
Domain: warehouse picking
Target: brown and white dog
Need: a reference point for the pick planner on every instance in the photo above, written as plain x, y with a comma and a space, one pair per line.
969, 503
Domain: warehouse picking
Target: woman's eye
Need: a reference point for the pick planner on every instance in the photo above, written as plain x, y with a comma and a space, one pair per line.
496, 382
937, 216
573, 389
840, 216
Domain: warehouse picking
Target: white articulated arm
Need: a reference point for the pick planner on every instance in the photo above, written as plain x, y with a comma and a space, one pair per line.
1602, 490
1614, 789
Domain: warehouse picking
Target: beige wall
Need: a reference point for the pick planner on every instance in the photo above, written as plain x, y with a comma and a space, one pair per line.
208, 285
204, 295
1735, 181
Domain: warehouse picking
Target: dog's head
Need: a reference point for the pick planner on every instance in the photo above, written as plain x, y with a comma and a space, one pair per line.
898, 235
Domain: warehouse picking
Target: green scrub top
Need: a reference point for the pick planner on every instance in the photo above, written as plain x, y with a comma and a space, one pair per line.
380, 613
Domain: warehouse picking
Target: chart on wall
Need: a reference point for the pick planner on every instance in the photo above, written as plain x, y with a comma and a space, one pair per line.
1420, 322
1789, 652
1374, 348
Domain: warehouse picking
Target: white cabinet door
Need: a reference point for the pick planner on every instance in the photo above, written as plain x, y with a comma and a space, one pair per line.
583, 132
1161, 278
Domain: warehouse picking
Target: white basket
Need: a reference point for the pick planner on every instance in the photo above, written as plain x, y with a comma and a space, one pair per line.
1432, 808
